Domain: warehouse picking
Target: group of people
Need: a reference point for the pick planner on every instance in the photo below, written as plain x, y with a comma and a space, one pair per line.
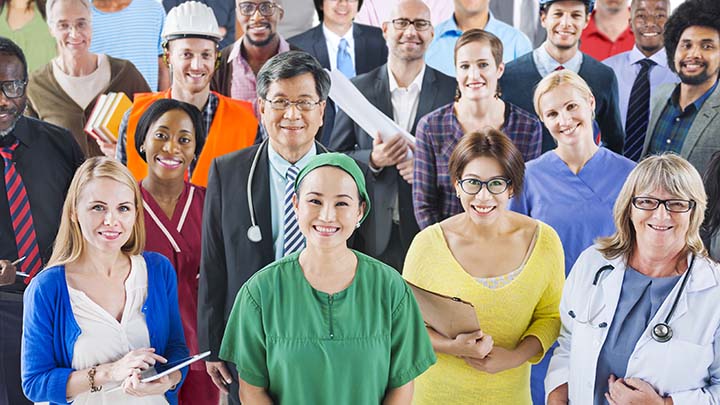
573, 203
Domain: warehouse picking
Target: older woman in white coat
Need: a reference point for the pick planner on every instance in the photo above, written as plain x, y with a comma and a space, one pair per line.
640, 313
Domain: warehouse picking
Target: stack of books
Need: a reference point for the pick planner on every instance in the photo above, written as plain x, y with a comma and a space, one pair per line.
104, 121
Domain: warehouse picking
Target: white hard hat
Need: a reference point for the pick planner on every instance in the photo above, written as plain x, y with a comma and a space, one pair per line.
191, 19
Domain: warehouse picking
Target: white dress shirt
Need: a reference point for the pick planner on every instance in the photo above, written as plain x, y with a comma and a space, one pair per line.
405, 100
332, 40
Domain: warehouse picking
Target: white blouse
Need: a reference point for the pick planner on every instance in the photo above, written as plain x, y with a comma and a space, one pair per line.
103, 339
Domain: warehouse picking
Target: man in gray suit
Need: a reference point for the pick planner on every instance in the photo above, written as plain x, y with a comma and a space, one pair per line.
404, 89
685, 118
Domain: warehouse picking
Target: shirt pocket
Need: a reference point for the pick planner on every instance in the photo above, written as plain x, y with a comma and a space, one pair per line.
686, 365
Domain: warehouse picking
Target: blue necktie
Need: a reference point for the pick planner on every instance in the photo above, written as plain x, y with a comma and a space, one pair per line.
293, 239
344, 61
638, 112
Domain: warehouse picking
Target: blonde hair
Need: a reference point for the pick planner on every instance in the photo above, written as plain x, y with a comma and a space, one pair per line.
668, 172
557, 79
70, 243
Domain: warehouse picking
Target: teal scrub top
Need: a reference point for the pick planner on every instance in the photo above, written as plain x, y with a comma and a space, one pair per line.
308, 347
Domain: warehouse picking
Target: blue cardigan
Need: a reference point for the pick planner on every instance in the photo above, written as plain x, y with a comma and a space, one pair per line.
50, 330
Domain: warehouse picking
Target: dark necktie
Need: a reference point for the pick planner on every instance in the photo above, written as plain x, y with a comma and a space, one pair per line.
638, 112
293, 239
20, 215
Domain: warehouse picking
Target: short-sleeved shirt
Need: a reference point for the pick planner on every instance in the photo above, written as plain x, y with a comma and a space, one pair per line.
132, 33
308, 347
440, 53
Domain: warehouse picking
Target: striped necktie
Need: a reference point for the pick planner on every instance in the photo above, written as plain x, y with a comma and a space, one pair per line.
21, 215
293, 239
344, 61
638, 112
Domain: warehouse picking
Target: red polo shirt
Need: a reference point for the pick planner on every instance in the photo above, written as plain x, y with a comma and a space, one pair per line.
599, 46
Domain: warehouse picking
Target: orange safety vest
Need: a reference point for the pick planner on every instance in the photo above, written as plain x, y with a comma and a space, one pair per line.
233, 127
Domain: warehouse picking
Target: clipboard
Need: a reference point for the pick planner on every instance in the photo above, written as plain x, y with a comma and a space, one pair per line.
449, 316
161, 370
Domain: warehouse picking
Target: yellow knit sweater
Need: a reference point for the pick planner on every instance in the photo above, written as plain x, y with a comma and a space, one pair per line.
528, 306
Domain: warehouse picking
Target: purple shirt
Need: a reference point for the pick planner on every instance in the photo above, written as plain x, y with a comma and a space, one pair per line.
436, 136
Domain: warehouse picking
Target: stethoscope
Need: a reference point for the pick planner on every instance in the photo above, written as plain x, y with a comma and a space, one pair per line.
253, 233
661, 332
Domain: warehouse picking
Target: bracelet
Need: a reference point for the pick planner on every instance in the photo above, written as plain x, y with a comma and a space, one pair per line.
91, 379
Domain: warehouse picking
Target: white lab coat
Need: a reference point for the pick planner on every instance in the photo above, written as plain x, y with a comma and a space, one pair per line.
687, 367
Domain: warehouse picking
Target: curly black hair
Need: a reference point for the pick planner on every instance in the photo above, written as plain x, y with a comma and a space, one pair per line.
8, 47
704, 13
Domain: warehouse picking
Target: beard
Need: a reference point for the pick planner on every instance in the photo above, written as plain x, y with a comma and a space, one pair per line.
16, 114
262, 43
697, 79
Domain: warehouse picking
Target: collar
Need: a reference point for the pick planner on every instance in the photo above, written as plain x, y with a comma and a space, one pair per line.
449, 27
675, 97
237, 47
280, 165
702, 277
659, 57
334, 39
416, 83
19, 133
548, 64
592, 29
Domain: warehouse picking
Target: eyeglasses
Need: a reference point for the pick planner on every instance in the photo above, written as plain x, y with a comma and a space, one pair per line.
673, 205
404, 23
267, 8
496, 185
282, 104
13, 88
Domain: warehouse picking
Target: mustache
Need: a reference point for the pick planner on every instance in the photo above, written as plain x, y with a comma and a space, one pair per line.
9, 110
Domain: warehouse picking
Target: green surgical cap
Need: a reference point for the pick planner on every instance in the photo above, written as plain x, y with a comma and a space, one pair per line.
341, 161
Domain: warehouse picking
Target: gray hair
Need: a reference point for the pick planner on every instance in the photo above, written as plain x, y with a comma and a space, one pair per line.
50, 3
290, 64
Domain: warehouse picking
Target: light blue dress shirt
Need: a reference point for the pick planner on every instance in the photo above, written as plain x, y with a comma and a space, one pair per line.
278, 169
626, 68
546, 64
441, 53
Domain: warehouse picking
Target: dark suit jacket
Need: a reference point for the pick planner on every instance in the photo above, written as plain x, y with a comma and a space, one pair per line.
521, 76
229, 258
370, 52
437, 90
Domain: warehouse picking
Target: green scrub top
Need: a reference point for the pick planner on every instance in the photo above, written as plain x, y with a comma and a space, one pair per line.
308, 347
33, 38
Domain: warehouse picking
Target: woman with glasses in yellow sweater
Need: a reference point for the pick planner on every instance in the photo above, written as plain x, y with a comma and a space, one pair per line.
509, 266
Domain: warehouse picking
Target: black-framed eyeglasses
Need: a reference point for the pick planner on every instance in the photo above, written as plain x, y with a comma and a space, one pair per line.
282, 104
267, 8
496, 185
672, 205
419, 24
13, 88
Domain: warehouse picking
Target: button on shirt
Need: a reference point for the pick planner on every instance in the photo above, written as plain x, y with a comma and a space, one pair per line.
332, 40
674, 123
440, 53
244, 85
626, 67
546, 64
278, 169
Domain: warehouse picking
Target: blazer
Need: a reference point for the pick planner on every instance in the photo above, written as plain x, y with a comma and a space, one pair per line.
228, 257
702, 139
521, 76
437, 90
370, 52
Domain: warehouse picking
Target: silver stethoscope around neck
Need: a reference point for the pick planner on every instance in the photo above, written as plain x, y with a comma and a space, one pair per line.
253, 233
661, 332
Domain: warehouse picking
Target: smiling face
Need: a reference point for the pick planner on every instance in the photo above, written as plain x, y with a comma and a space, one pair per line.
259, 30
106, 214
328, 207
170, 146
483, 207
10, 108
339, 13
476, 72
292, 131
409, 44
660, 230
193, 63
71, 27
567, 113
697, 56
647, 23
564, 22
